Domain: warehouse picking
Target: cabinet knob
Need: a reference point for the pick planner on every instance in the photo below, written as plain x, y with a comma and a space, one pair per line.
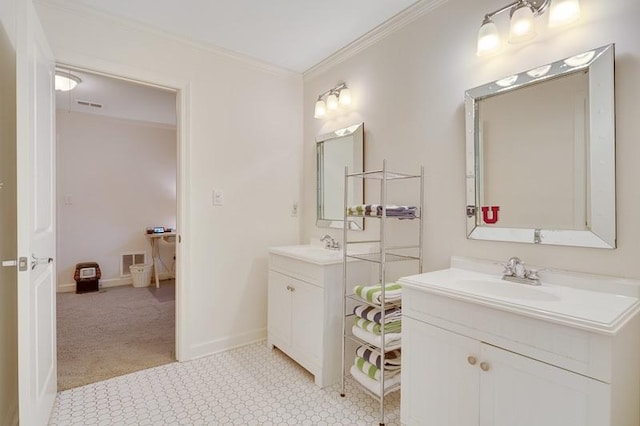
290, 288
484, 366
471, 360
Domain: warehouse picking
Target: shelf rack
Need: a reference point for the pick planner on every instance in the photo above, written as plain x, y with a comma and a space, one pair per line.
382, 256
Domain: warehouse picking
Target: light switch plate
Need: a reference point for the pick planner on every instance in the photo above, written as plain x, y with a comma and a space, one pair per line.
218, 197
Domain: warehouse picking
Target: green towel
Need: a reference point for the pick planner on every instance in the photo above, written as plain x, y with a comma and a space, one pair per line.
372, 327
373, 294
371, 370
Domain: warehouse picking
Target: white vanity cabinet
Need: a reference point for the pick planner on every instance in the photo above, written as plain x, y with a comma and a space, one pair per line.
494, 358
305, 307
456, 380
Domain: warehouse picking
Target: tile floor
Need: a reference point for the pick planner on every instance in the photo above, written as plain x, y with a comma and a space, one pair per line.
251, 385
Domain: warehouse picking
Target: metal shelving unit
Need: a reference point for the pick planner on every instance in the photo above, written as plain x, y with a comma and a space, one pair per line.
382, 256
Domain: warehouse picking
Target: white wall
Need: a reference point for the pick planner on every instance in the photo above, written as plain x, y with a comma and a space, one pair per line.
409, 90
244, 136
8, 219
115, 178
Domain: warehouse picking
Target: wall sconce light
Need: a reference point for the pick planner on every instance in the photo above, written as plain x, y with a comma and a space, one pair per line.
66, 81
332, 99
522, 28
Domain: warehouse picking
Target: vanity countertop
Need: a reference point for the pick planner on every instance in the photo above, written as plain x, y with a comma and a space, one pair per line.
309, 253
598, 311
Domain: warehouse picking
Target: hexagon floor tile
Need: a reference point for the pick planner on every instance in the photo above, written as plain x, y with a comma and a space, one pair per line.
251, 385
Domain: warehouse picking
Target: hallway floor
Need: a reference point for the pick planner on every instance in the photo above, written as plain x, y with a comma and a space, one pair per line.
251, 385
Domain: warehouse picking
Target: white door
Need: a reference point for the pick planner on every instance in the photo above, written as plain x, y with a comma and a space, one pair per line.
35, 155
520, 391
440, 376
306, 322
279, 311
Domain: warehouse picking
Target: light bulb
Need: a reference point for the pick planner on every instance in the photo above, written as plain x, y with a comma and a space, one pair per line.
563, 12
320, 109
488, 38
345, 97
522, 28
332, 102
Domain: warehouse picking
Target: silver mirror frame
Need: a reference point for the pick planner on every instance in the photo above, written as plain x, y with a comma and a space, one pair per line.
357, 131
602, 233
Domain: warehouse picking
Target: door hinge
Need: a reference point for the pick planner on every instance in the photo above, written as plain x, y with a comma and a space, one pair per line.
471, 211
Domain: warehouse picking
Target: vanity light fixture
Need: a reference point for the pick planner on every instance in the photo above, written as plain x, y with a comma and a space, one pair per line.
522, 24
66, 81
332, 99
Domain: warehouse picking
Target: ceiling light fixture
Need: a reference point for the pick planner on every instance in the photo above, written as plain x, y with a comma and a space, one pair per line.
332, 100
66, 81
522, 25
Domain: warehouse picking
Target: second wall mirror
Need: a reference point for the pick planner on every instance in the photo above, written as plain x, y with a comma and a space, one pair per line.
334, 151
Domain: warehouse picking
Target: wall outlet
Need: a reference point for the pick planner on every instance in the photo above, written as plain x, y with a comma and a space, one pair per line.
218, 197
294, 209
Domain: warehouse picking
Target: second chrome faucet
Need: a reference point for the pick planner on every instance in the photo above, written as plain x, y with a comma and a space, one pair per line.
329, 242
514, 270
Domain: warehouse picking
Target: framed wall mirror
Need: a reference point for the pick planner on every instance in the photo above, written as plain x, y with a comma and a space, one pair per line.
334, 151
541, 154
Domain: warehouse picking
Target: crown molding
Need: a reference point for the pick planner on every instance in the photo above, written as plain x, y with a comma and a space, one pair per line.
88, 12
383, 30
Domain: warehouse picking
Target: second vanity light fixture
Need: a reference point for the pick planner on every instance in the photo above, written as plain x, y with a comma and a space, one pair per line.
332, 99
522, 27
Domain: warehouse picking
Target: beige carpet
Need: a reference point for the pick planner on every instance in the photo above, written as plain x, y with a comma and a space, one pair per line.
113, 332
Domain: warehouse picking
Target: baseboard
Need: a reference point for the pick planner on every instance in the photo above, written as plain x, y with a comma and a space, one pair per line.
111, 282
225, 344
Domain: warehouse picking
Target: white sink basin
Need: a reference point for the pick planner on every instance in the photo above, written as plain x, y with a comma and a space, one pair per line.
309, 253
562, 303
507, 290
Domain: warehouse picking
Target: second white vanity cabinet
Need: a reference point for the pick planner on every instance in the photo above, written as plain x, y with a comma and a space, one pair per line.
478, 351
456, 380
305, 307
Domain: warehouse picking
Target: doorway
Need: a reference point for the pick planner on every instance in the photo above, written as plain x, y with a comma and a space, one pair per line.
117, 162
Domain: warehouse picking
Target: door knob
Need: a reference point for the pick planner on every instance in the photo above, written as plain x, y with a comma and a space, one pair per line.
35, 261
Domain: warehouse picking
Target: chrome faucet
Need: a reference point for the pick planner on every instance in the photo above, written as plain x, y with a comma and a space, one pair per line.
329, 242
514, 270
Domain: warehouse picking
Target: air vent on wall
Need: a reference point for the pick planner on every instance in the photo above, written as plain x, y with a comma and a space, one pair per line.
89, 104
128, 259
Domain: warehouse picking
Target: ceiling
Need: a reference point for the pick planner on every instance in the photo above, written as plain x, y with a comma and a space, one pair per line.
293, 34
119, 99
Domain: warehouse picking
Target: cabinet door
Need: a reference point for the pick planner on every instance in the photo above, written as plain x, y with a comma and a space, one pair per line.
306, 321
439, 384
279, 310
520, 391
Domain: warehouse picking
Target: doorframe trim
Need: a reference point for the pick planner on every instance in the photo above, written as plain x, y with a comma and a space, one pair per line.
183, 132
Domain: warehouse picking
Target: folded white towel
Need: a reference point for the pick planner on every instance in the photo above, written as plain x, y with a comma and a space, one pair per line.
374, 385
392, 359
390, 339
373, 294
375, 314
372, 371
